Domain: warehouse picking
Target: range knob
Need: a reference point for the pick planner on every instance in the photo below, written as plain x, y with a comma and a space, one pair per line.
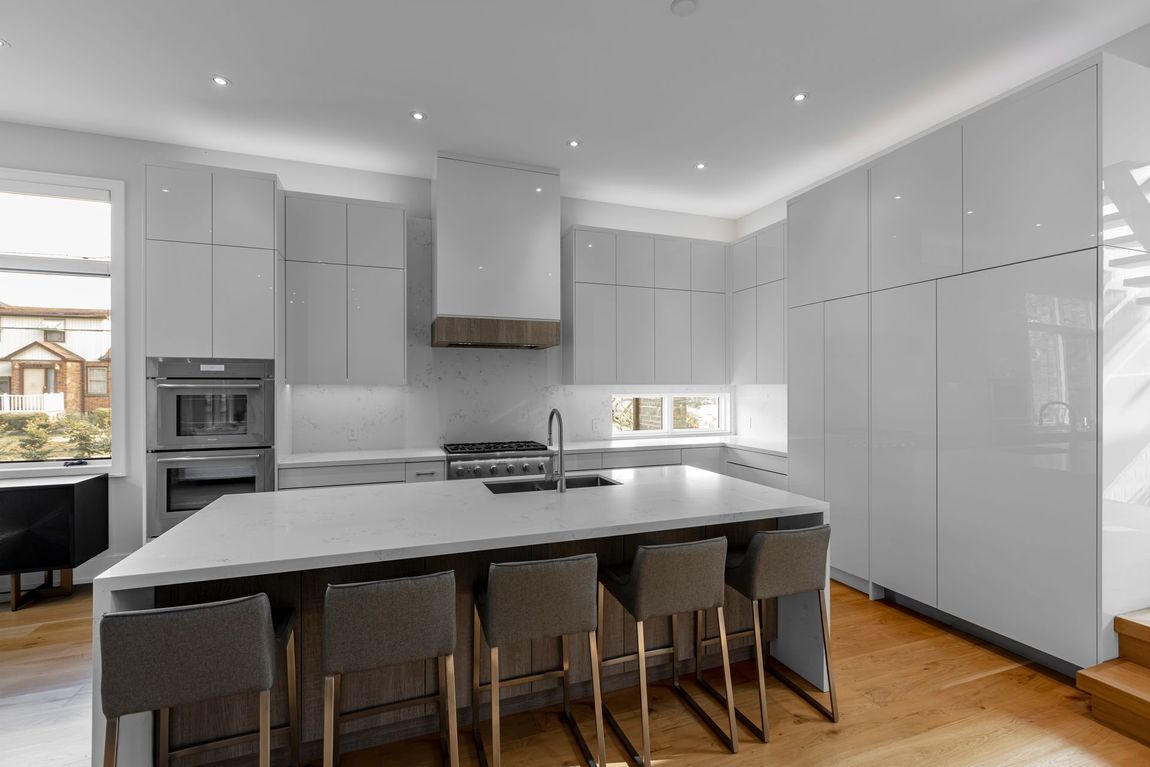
526, 467
459, 471
510, 468
494, 469
542, 466
476, 471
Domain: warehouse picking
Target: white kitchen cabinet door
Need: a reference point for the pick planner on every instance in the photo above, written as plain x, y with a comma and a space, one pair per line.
708, 267
1017, 453
595, 257
316, 230
178, 277
744, 364
672, 263
243, 303
903, 509
316, 322
708, 458
846, 406
179, 204
376, 327
672, 336
243, 211
771, 333
827, 240
376, 236
916, 211
635, 260
805, 379
743, 265
771, 253
595, 329
635, 335
708, 337
758, 476
1030, 175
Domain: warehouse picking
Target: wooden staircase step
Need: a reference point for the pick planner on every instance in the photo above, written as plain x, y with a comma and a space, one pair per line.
1120, 691
1136, 624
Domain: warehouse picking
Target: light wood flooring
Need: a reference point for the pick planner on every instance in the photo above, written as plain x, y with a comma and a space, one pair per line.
912, 692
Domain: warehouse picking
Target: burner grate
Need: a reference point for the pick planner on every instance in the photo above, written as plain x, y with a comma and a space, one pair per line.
455, 448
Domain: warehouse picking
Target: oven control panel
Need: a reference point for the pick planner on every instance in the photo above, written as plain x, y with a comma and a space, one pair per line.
499, 467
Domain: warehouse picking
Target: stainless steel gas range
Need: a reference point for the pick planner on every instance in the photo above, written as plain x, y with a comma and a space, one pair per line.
467, 460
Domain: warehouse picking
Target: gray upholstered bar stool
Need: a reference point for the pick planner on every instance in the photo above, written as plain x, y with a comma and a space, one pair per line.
668, 580
521, 601
378, 624
779, 563
156, 659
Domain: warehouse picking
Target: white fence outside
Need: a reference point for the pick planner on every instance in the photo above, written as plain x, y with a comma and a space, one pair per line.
52, 404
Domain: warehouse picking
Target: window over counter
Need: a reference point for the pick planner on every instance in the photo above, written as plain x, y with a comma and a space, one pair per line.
60, 243
668, 414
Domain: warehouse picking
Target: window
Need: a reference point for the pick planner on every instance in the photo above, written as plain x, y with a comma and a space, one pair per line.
647, 414
60, 237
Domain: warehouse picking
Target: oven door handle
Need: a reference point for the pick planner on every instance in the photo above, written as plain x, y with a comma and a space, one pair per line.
208, 458
209, 386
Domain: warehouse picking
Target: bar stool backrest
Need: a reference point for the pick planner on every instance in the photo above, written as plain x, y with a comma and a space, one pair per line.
384, 623
547, 598
171, 656
784, 562
678, 577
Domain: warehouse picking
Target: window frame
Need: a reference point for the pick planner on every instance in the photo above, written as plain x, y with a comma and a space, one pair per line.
46, 184
88, 380
668, 431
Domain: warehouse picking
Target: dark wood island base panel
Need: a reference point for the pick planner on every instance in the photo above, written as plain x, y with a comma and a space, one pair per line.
305, 591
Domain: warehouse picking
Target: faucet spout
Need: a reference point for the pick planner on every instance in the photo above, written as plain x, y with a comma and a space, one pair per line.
555, 415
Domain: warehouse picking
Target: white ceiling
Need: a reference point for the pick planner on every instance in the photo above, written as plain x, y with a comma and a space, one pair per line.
650, 94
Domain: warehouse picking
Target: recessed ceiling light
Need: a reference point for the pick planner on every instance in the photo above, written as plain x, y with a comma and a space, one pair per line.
4, 43
700, 165
684, 7
165, 190
221, 81
417, 115
538, 189
898, 196
574, 143
800, 96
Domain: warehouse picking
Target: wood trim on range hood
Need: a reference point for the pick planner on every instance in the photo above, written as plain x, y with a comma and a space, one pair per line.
489, 332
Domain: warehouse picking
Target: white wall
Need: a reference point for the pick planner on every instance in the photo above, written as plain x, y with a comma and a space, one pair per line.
573, 212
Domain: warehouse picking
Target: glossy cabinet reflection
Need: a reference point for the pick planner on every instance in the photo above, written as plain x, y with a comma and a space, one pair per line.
805, 380
846, 406
771, 333
672, 336
316, 229
635, 335
316, 322
595, 256
827, 240
179, 204
708, 337
243, 211
1030, 174
595, 333
1017, 479
916, 211
243, 303
744, 329
179, 299
376, 326
376, 236
903, 512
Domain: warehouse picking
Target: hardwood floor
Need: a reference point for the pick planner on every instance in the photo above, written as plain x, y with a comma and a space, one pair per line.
912, 693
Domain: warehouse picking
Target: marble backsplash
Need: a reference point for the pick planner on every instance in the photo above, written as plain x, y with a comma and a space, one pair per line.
452, 395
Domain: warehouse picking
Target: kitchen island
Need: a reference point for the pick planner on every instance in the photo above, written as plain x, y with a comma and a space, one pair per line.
291, 544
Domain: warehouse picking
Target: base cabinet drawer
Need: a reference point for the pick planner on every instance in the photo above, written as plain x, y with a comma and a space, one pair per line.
425, 471
768, 478
755, 460
583, 461
329, 476
631, 459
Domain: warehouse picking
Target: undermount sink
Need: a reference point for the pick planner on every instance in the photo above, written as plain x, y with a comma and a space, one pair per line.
532, 485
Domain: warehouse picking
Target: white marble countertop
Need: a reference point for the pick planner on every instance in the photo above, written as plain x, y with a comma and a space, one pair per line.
401, 455
259, 533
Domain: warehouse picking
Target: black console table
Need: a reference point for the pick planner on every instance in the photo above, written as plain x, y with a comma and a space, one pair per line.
49, 524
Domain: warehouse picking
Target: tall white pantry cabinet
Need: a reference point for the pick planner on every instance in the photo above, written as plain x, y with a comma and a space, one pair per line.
965, 325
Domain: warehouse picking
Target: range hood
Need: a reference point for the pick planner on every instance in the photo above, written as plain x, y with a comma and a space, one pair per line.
496, 280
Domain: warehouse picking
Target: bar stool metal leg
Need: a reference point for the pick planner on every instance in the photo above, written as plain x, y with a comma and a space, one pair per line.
597, 694
832, 713
266, 728
293, 699
756, 615
734, 744
111, 738
496, 743
448, 724
331, 706
163, 735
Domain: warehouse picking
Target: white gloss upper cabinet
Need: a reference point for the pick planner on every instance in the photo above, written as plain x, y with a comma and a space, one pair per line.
1017, 452
376, 236
376, 327
916, 211
672, 263
708, 266
744, 352
635, 335
827, 240
595, 257
771, 253
316, 318
805, 384
1030, 174
846, 405
179, 204
672, 336
316, 230
771, 333
243, 211
595, 333
708, 338
743, 265
243, 302
178, 277
635, 260
903, 511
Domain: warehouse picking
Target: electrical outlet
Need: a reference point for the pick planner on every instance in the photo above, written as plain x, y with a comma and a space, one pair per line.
352, 434
594, 425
